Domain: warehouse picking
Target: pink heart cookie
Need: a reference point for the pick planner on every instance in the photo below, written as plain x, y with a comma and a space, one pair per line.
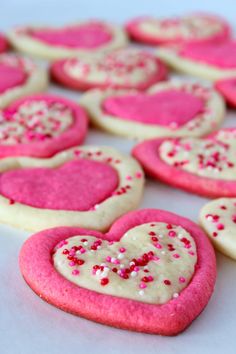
41, 125
227, 88
3, 44
78, 39
20, 76
201, 166
196, 27
171, 108
124, 68
84, 186
155, 271
212, 61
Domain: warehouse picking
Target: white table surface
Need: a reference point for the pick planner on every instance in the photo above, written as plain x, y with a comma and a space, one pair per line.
29, 325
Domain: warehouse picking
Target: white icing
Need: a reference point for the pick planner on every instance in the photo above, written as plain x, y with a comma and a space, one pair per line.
214, 158
191, 27
126, 66
173, 260
34, 121
218, 219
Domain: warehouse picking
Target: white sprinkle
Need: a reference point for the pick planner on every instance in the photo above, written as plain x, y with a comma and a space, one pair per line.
175, 295
141, 292
113, 259
120, 256
133, 274
163, 252
131, 263
86, 243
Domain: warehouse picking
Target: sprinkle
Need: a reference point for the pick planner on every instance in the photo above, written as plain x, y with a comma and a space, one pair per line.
75, 272
167, 282
104, 281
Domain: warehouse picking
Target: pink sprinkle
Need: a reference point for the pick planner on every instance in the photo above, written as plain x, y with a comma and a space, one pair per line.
138, 174
122, 249
191, 253
172, 233
176, 255
75, 272
71, 263
182, 280
129, 178
142, 285
82, 250
220, 227
157, 245
108, 259
136, 269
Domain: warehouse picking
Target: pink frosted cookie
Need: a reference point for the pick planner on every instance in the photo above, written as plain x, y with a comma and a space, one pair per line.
81, 39
19, 77
211, 61
171, 108
227, 88
218, 219
40, 126
193, 28
83, 186
202, 166
3, 44
155, 271
124, 68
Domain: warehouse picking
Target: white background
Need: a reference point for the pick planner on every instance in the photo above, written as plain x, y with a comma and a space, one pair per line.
27, 324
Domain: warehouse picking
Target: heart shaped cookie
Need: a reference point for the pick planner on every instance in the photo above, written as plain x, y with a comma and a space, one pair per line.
155, 271
172, 108
212, 61
3, 44
84, 38
41, 125
202, 166
193, 28
227, 88
218, 219
19, 77
84, 186
121, 69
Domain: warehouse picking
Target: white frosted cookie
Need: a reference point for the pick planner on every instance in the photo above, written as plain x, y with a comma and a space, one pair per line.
196, 27
210, 61
83, 38
126, 68
87, 186
19, 77
218, 219
171, 108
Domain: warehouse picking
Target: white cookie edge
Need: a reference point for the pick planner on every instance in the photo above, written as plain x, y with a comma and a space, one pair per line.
191, 67
35, 219
36, 48
92, 100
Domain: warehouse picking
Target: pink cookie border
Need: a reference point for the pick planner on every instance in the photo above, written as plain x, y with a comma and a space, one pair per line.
73, 136
59, 75
3, 44
168, 319
147, 154
224, 88
138, 36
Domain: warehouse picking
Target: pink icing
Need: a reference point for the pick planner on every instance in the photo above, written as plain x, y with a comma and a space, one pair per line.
76, 185
11, 77
221, 55
162, 108
89, 35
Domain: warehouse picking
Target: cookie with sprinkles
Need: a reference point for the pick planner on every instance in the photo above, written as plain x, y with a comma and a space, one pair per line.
20, 76
193, 28
218, 219
170, 108
155, 271
81, 39
3, 44
41, 125
121, 69
204, 166
227, 88
85, 186
212, 61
